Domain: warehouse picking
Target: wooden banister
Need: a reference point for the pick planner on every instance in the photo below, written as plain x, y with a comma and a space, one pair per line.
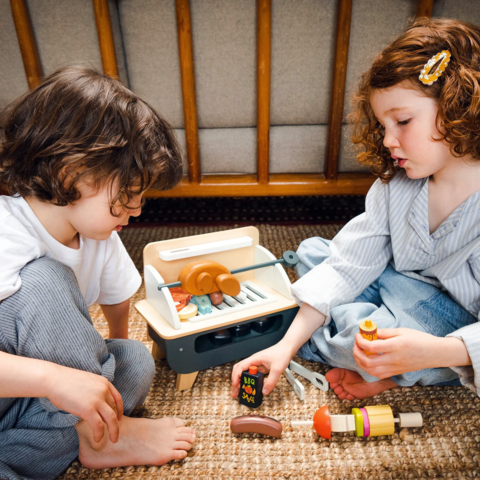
264, 34
184, 29
342, 37
280, 184
105, 38
26, 40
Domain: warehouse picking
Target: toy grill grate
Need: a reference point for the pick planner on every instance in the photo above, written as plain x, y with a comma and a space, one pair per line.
255, 296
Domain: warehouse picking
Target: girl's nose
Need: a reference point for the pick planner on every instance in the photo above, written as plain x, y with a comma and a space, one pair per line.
390, 140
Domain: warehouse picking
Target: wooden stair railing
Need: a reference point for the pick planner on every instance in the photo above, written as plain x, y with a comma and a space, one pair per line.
263, 183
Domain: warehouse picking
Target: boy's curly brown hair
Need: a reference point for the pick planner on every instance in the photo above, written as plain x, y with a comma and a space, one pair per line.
81, 125
457, 91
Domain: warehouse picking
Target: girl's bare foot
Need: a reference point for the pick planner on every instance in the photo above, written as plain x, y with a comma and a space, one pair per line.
142, 441
350, 385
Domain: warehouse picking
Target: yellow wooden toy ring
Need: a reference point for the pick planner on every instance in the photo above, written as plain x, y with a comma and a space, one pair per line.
425, 77
359, 428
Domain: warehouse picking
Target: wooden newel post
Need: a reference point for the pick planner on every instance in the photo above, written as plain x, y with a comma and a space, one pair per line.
264, 34
342, 38
185, 46
105, 38
26, 40
424, 8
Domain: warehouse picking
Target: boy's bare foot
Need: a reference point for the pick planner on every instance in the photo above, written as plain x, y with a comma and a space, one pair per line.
142, 441
350, 385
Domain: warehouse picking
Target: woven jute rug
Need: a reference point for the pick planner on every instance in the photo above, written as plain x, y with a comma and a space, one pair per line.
447, 446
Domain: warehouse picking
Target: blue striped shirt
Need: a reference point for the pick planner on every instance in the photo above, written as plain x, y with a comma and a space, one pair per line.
394, 229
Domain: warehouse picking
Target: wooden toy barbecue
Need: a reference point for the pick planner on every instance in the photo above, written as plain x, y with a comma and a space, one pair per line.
209, 335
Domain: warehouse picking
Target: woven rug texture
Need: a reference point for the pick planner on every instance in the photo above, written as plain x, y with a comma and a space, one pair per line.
447, 446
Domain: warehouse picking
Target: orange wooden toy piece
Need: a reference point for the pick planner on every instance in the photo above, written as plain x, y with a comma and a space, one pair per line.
204, 277
368, 330
180, 295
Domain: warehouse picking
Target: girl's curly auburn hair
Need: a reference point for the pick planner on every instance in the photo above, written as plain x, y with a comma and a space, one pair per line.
81, 125
457, 91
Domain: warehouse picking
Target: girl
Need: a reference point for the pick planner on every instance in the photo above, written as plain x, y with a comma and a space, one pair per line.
77, 153
411, 262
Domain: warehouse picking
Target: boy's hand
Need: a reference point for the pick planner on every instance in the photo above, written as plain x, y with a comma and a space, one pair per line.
406, 350
274, 360
88, 396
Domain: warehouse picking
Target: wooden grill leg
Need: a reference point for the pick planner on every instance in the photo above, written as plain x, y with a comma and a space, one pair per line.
157, 351
185, 380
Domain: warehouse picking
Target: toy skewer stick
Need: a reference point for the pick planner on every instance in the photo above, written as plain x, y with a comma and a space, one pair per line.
289, 260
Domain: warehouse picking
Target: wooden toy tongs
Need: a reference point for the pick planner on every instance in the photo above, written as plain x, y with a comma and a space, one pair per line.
315, 378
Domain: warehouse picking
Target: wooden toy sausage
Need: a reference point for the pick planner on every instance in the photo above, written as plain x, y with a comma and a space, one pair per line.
256, 424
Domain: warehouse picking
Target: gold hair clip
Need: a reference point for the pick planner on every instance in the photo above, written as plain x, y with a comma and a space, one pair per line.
425, 77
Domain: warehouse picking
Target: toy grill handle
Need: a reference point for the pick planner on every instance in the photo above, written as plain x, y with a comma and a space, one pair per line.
170, 285
289, 260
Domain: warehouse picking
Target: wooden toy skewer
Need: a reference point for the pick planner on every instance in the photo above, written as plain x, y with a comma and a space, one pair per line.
289, 260
370, 421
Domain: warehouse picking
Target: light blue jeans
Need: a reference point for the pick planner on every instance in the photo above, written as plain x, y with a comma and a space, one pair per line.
392, 301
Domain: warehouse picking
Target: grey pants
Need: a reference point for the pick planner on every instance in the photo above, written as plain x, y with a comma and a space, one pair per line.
48, 319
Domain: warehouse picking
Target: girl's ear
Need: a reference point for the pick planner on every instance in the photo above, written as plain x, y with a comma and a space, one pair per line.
440, 127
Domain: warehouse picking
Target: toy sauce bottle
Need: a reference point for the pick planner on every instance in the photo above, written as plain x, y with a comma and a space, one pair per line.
251, 386
368, 330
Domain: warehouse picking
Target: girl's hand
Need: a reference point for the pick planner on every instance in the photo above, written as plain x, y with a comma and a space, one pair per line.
88, 396
406, 350
274, 360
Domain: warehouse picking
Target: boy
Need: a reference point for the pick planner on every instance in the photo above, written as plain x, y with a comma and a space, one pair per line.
77, 154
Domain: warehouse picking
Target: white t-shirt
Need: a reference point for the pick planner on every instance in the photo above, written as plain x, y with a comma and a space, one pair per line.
105, 272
